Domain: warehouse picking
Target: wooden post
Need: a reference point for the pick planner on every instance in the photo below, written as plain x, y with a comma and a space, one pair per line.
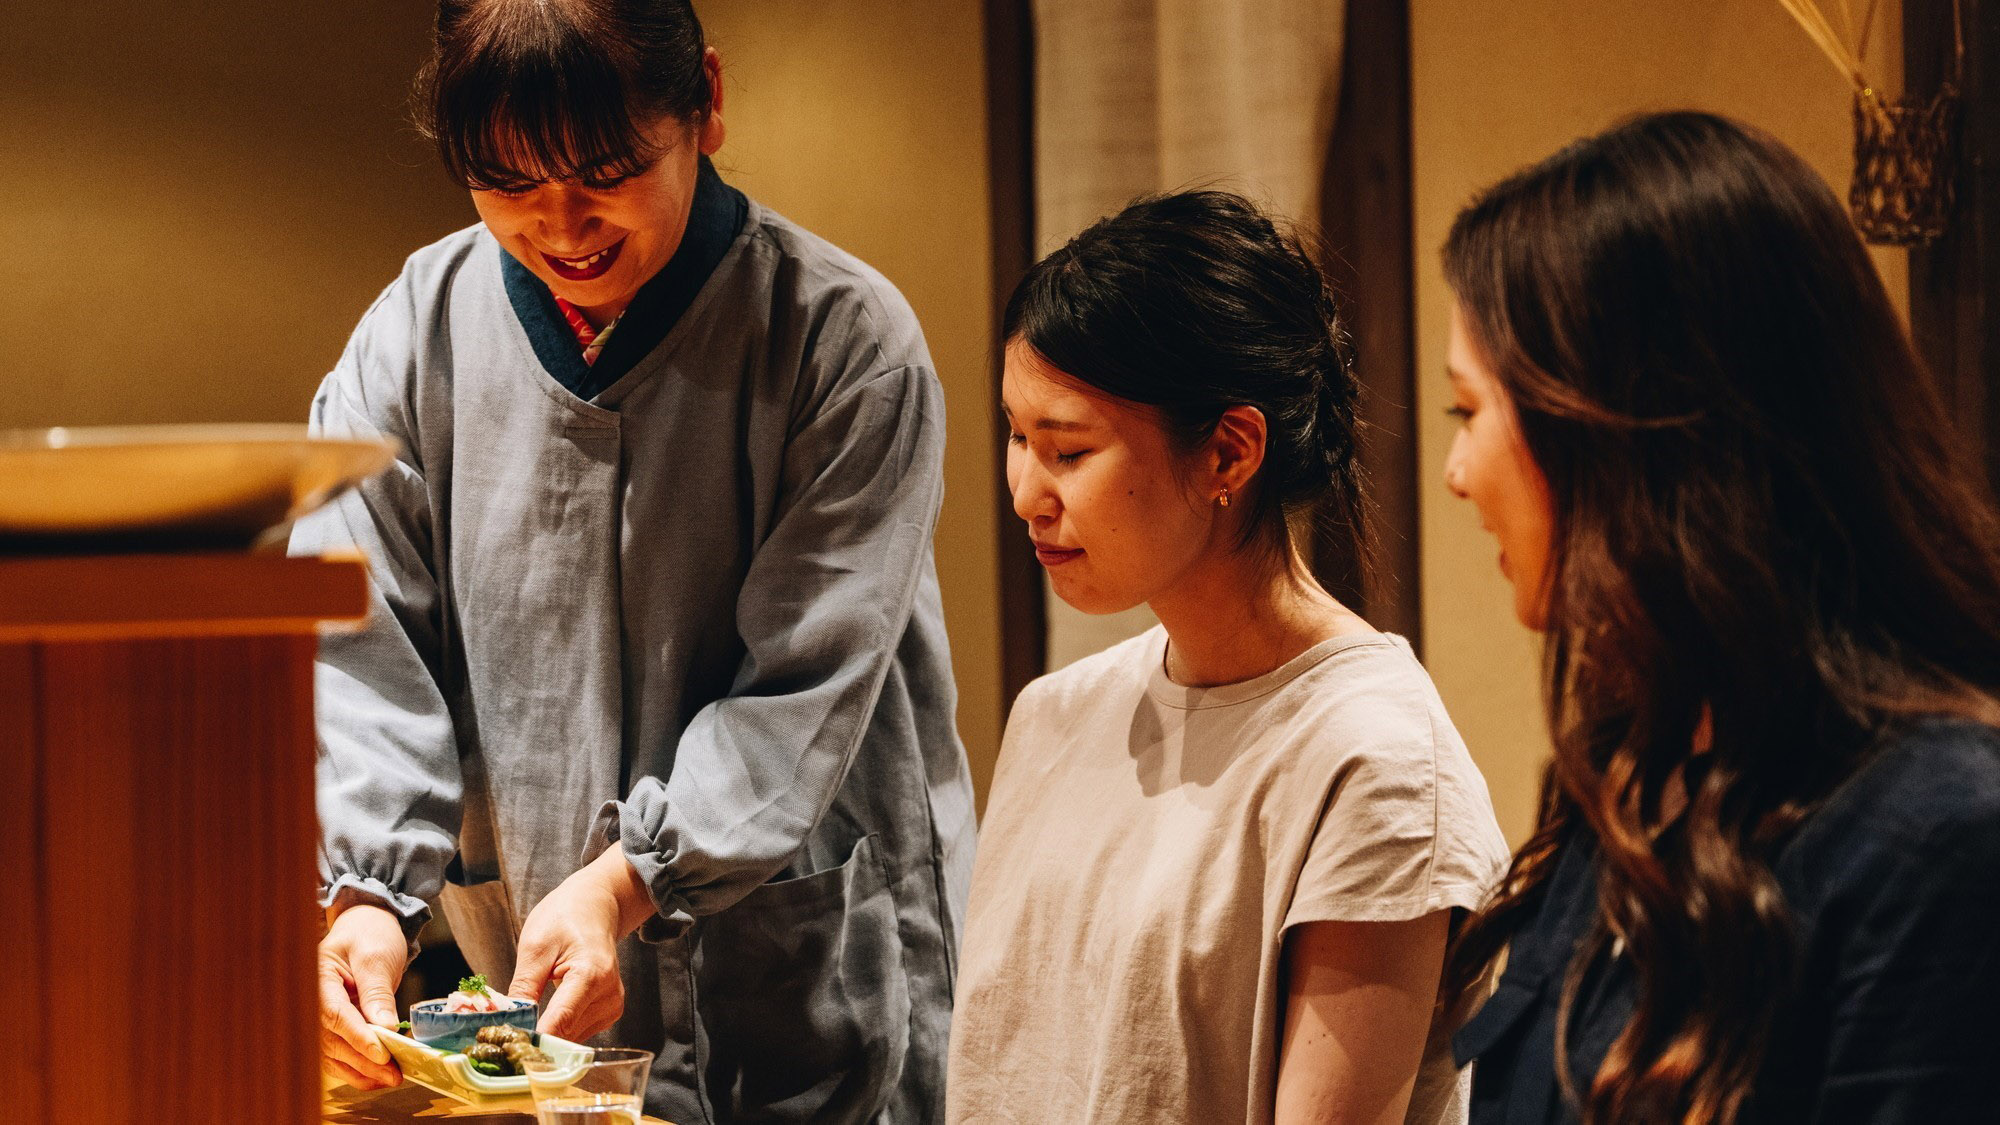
157, 829
1366, 212
1010, 154
1955, 282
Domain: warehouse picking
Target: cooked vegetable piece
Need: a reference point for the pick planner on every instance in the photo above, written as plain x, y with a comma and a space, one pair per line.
483, 1056
501, 1033
521, 1052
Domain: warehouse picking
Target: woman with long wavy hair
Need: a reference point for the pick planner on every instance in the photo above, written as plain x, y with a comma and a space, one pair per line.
1768, 580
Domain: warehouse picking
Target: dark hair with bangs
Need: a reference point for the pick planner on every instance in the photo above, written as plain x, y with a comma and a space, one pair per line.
522, 91
1194, 303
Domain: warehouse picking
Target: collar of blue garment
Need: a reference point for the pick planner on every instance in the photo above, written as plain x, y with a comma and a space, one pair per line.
714, 221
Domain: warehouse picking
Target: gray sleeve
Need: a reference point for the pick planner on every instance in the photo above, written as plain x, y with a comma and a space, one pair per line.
825, 601
388, 770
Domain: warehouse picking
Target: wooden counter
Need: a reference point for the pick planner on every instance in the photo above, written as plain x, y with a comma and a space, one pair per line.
157, 835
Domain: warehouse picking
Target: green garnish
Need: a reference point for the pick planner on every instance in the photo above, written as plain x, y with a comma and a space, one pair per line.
486, 1068
474, 984
403, 1026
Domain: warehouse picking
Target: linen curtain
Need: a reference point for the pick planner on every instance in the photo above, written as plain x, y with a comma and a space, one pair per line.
1140, 96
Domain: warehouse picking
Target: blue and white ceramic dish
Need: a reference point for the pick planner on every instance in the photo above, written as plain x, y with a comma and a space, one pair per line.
432, 1026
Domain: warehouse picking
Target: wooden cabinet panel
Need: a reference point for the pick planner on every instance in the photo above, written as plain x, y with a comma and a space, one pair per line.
23, 1067
156, 814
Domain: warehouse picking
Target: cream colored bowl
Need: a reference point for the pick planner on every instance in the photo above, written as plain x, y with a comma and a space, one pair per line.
137, 487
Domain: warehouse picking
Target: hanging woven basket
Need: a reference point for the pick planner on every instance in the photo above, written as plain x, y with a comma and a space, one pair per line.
1905, 149
1905, 165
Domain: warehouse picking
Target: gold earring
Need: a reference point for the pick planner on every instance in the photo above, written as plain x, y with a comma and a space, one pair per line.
1222, 501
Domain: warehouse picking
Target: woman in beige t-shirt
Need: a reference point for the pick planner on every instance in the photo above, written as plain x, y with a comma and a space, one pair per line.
1219, 860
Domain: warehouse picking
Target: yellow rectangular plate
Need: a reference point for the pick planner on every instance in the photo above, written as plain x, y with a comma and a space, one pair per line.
451, 1074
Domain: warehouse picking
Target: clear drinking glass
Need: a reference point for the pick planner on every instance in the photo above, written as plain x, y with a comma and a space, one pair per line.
609, 1088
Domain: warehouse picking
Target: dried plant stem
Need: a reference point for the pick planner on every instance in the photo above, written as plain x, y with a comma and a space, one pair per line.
1867, 25
1817, 28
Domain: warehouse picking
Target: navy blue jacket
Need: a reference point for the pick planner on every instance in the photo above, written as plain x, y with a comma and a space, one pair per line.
1895, 887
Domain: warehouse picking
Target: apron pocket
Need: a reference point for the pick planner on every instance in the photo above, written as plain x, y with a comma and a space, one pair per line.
801, 992
481, 917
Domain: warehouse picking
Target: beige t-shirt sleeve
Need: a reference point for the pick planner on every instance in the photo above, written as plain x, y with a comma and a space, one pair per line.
1408, 830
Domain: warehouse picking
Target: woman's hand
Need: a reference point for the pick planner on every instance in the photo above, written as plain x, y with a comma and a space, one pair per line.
361, 959
571, 939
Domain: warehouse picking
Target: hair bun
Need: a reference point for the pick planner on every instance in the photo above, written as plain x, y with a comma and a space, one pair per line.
1197, 303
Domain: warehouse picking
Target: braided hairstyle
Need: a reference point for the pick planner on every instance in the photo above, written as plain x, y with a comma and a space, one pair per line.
1194, 303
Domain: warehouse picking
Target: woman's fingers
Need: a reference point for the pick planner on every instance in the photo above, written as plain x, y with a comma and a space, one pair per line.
339, 1059
341, 1074
365, 1066
560, 1017
341, 1019
532, 964
610, 1004
571, 939
376, 955
377, 993
588, 999
360, 959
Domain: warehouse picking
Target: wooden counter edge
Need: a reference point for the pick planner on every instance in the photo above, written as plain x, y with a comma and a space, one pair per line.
108, 597
413, 1103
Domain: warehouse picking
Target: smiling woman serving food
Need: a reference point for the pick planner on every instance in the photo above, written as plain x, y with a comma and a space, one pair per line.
656, 642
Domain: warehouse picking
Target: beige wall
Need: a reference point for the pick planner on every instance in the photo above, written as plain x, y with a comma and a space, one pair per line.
1498, 83
203, 199
865, 121
201, 202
